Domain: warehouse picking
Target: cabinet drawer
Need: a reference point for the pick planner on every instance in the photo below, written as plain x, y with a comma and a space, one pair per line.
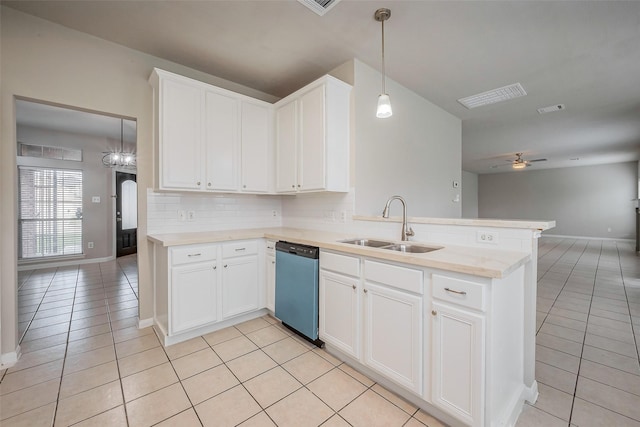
458, 291
239, 248
193, 253
404, 278
270, 247
340, 263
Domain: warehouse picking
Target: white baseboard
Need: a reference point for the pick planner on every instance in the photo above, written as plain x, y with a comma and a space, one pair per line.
63, 263
145, 323
7, 360
562, 236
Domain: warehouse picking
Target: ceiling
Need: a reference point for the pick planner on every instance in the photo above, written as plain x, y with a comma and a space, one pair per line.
584, 54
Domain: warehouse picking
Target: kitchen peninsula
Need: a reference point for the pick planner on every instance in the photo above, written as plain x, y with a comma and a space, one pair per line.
446, 329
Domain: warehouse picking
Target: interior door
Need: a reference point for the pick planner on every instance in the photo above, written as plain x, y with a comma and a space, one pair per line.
126, 214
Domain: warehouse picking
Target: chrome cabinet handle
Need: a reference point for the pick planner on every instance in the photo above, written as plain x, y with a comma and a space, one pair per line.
190, 255
209, 184
293, 186
273, 262
198, 183
354, 287
365, 291
244, 186
225, 266
455, 292
215, 267
240, 249
434, 312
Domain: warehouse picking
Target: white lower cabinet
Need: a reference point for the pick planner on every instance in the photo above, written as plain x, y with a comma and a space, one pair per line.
240, 284
393, 334
193, 296
270, 268
458, 362
197, 286
372, 311
340, 312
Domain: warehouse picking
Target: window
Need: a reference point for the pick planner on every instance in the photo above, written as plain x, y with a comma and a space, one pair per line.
45, 152
50, 212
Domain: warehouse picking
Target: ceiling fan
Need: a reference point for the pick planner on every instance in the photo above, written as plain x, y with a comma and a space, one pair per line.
519, 162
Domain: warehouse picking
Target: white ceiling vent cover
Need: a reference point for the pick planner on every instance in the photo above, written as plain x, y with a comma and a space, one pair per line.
319, 6
492, 96
551, 108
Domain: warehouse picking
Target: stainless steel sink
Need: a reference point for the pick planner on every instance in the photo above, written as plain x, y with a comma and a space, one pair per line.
410, 248
398, 247
367, 242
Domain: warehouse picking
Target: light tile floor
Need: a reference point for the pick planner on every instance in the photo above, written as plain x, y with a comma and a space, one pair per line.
588, 335
85, 363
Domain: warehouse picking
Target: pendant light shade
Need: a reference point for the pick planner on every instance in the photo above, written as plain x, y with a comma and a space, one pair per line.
384, 102
384, 106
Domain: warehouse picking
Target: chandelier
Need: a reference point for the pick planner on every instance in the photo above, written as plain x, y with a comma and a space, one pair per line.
121, 158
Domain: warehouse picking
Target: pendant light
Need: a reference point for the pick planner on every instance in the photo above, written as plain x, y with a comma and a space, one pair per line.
384, 103
120, 158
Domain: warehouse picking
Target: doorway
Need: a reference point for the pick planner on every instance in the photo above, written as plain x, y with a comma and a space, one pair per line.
126, 214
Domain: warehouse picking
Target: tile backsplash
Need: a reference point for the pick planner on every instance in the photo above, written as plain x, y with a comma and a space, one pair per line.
210, 212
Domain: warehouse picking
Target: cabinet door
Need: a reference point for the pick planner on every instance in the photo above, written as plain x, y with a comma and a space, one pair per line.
222, 142
312, 153
271, 283
458, 363
181, 152
340, 312
286, 154
193, 296
256, 145
393, 335
240, 291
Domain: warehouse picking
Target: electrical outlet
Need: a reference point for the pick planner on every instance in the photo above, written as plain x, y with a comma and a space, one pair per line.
487, 237
182, 215
90, 245
95, 199
343, 216
191, 215
274, 213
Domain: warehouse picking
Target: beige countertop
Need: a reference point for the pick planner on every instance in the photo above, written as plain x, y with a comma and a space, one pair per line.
482, 262
472, 222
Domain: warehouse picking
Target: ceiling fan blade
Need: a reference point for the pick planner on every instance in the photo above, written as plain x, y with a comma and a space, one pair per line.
536, 160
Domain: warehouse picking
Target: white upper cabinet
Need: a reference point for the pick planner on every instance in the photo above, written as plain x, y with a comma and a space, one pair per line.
286, 153
178, 109
222, 143
312, 138
256, 137
209, 138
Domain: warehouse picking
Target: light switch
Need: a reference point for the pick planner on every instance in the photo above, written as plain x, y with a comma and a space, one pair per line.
95, 199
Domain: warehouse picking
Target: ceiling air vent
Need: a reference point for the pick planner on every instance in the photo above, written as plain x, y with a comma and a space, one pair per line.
551, 108
492, 96
319, 6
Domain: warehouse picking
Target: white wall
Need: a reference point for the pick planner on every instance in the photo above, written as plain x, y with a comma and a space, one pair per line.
416, 153
584, 201
469, 195
46, 61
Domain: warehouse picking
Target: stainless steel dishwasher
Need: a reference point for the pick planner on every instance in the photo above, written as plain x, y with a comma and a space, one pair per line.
297, 289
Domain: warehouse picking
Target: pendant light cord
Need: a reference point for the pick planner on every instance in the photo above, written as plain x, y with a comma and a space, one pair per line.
384, 91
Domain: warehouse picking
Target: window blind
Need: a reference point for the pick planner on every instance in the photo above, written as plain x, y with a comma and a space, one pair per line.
50, 212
